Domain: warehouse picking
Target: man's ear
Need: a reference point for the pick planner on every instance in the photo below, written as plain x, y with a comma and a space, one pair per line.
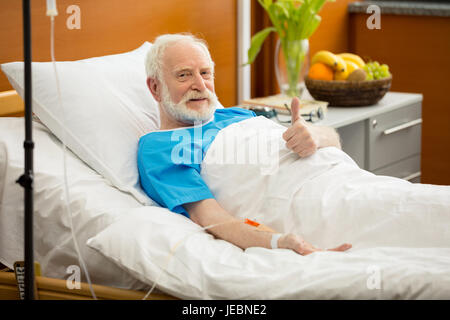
155, 88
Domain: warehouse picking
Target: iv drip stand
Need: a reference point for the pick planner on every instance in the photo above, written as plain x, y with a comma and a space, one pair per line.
26, 180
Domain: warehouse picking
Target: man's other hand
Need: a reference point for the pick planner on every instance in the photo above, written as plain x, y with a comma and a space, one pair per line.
299, 245
301, 138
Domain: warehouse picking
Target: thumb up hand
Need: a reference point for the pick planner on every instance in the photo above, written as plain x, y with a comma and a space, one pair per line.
295, 110
300, 137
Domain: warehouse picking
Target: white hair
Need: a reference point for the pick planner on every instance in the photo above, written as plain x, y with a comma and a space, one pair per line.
153, 64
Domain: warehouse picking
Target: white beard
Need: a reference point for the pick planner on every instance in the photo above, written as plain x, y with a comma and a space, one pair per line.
181, 112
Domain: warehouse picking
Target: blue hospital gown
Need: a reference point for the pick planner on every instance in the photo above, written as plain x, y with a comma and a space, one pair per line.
169, 161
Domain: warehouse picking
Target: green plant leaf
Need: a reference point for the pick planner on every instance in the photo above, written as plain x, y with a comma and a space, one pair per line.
268, 2
312, 26
272, 16
291, 19
281, 14
317, 5
256, 43
300, 13
265, 3
282, 9
306, 21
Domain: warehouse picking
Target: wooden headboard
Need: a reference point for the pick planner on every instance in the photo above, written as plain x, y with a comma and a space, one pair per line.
11, 105
114, 26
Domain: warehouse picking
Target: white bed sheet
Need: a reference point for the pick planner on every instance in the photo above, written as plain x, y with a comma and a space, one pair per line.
94, 203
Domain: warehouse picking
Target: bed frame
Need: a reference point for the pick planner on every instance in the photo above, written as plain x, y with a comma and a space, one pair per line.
56, 289
11, 105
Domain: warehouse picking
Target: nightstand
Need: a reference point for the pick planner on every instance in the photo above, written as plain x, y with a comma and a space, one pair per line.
384, 138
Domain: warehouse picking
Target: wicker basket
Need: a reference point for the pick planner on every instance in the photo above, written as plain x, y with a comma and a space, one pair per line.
341, 93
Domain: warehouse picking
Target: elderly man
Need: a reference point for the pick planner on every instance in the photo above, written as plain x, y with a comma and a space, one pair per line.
181, 78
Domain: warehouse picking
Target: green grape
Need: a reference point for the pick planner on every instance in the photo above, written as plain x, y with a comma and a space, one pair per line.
376, 71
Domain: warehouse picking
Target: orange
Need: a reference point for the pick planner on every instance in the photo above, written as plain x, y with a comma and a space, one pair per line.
320, 71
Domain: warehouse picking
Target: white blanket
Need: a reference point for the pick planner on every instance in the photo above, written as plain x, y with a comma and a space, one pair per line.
326, 197
399, 231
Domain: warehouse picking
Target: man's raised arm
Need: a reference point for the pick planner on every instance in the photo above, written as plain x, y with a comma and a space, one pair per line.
209, 212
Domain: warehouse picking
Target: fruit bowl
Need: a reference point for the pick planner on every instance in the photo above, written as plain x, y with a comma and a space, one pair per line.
342, 93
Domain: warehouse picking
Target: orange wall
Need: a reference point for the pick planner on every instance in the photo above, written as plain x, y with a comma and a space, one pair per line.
109, 26
332, 33
417, 49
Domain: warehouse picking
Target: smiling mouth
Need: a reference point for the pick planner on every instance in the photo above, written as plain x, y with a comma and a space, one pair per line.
198, 102
201, 99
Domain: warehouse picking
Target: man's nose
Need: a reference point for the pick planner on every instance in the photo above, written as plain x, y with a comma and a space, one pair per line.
199, 83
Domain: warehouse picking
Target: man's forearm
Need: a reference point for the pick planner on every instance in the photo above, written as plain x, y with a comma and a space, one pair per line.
208, 212
328, 137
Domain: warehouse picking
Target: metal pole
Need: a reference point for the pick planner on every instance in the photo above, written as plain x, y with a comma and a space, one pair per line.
26, 180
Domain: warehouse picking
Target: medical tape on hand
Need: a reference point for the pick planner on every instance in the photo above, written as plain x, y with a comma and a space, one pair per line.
274, 241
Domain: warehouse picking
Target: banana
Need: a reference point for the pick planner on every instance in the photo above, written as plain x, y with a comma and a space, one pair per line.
350, 67
341, 66
330, 59
341, 75
353, 58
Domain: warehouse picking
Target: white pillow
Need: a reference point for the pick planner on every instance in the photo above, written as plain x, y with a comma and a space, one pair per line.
141, 243
107, 108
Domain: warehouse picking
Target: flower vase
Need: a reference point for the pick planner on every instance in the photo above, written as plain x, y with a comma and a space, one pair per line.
291, 66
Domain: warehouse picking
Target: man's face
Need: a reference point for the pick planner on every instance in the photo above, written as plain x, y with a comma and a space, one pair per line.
187, 88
